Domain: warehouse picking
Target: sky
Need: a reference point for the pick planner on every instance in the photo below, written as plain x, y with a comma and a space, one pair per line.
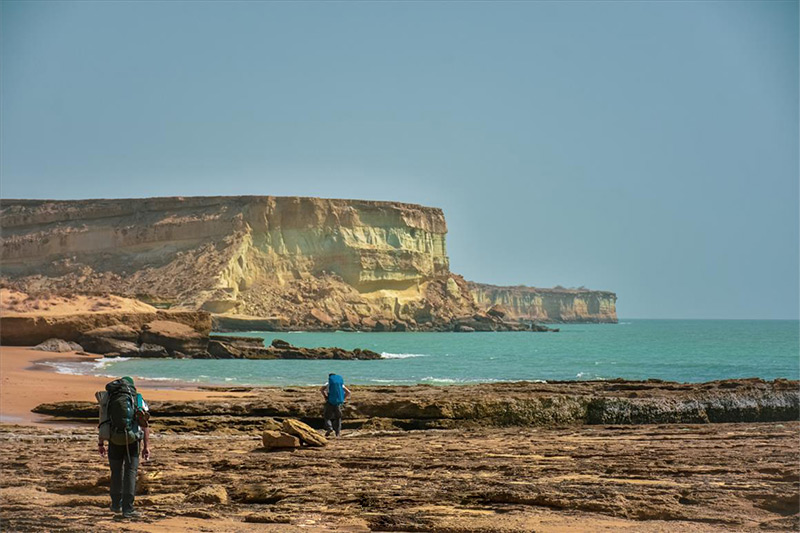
647, 148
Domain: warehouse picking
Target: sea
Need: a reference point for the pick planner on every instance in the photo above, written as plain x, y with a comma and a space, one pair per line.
672, 350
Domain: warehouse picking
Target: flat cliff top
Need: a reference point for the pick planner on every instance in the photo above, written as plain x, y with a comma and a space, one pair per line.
536, 290
161, 202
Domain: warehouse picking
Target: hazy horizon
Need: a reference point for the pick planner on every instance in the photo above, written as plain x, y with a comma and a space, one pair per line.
649, 149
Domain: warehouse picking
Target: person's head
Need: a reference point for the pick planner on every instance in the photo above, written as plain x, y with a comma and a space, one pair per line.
331, 375
128, 380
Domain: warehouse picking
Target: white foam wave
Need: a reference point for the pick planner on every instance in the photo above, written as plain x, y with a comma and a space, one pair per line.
387, 355
431, 379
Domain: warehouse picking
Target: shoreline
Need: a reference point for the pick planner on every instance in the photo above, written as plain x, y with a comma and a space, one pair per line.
28, 381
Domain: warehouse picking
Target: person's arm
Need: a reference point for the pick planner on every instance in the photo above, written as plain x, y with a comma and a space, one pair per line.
324, 391
346, 393
146, 447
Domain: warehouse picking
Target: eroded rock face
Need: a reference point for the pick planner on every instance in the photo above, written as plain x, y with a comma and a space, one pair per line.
546, 305
260, 262
174, 336
31, 328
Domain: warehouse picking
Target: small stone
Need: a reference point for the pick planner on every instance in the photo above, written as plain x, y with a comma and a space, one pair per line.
267, 518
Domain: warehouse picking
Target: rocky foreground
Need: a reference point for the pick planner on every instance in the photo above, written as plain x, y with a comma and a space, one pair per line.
677, 477
571, 456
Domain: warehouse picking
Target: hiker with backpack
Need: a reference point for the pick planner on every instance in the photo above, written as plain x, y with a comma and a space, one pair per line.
124, 419
335, 394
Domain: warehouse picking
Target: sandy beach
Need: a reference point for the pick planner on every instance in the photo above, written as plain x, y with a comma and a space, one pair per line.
27, 383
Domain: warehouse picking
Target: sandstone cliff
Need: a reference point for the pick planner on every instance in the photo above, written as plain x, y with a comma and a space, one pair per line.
305, 262
548, 305
286, 262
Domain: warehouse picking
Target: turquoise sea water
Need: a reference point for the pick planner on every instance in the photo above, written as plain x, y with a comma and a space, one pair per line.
675, 350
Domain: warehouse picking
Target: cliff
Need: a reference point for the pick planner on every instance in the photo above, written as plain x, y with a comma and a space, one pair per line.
304, 262
548, 305
287, 262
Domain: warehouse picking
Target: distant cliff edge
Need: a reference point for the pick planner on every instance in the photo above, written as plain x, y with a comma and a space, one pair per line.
548, 305
258, 262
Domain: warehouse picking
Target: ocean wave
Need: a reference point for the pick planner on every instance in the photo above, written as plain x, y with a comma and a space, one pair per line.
83, 368
431, 379
387, 355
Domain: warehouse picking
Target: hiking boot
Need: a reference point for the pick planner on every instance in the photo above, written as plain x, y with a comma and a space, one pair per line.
116, 508
132, 514
328, 433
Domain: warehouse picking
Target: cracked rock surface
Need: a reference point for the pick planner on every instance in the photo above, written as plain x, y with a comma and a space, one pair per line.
675, 477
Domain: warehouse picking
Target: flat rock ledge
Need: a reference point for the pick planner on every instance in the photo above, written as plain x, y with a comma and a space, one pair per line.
557, 404
165, 339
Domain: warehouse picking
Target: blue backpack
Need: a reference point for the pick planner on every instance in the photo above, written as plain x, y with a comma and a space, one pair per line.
335, 390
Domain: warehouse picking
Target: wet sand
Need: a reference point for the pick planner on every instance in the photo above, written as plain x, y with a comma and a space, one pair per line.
26, 384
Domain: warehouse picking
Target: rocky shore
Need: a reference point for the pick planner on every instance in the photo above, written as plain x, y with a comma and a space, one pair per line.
613, 456
644, 478
521, 404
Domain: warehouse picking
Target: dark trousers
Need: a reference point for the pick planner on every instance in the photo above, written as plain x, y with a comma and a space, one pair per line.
124, 466
333, 418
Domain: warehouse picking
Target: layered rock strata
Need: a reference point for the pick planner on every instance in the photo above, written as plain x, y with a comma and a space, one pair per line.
282, 262
501, 404
547, 305
311, 263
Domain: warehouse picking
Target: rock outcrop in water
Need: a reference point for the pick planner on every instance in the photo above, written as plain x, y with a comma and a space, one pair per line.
547, 305
292, 263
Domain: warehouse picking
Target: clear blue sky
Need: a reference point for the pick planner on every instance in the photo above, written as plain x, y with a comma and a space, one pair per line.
642, 147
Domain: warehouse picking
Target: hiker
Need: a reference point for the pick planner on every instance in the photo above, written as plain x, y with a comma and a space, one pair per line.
124, 419
335, 394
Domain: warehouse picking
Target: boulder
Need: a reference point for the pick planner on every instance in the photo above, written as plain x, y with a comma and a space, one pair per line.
322, 317
352, 319
278, 343
152, 350
209, 494
119, 331
368, 323
278, 439
106, 345
58, 345
304, 432
223, 350
383, 325
464, 329
174, 336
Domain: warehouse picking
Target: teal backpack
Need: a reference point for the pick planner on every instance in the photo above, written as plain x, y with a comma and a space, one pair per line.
123, 402
335, 390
